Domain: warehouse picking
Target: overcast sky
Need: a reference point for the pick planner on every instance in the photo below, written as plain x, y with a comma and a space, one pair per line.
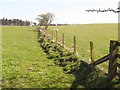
66, 11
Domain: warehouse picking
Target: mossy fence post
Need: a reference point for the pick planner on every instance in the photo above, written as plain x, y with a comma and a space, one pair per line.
92, 53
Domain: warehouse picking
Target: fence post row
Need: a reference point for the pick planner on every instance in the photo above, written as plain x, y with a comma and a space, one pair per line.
113, 60
92, 53
112, 56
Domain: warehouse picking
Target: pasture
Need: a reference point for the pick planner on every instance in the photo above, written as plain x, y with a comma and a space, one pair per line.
100, 34
24, 64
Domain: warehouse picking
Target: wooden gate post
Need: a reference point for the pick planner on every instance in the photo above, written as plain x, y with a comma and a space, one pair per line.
113, 60
92, 53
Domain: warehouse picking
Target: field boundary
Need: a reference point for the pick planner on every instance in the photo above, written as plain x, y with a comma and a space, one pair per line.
62, 43
112, 57
63, 57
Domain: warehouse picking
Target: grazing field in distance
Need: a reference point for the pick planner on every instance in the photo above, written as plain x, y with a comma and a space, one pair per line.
100, 34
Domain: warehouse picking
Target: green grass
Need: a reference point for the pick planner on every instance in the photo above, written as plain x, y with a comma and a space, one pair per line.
0, 57
100, 34
24, 63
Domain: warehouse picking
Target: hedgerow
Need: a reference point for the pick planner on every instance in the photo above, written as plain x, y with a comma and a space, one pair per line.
62, 57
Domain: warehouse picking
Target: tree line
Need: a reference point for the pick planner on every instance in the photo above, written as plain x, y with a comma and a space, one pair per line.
15, 22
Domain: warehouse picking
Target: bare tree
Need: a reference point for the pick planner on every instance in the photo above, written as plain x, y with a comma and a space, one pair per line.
45, 19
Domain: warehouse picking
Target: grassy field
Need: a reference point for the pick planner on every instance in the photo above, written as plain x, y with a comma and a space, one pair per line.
0, 56
100, 34
24, 63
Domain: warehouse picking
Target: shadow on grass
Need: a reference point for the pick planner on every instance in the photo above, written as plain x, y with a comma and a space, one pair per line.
86, 77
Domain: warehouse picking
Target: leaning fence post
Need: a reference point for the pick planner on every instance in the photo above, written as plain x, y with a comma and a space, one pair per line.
74, 41
113, 60
92, 52
62, 39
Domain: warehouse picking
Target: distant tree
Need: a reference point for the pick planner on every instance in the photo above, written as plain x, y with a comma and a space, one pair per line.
27, 23
6, 21
45, 19
0, 22
23, 23
17, 22
34, 23
20, 22
14, 22
10, 22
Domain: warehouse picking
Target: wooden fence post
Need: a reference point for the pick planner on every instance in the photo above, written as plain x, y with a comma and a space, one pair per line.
113, 60
52, 35
45, 32
62, 39
38, 33
74, 41
56, 36
92, 53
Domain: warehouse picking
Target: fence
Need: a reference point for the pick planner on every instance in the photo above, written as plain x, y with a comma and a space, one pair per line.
112, 56
55, 39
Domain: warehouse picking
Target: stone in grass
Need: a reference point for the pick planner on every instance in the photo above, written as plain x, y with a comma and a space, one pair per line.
30, 68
